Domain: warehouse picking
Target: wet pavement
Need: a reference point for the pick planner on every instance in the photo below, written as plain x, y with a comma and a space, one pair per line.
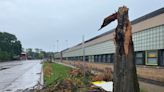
20, 75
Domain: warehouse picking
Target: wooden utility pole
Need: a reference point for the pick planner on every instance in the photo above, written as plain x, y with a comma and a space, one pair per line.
125, 77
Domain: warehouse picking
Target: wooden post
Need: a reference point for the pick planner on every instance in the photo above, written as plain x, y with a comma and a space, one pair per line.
125, 77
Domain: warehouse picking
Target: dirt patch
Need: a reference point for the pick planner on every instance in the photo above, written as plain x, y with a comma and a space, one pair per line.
47, 70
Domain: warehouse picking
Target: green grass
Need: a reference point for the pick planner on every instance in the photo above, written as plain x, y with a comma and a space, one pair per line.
143, 90
59, 72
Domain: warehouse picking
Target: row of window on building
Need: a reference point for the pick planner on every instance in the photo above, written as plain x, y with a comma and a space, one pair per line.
153, 57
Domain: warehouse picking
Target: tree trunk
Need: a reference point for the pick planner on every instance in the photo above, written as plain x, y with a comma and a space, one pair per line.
125, 77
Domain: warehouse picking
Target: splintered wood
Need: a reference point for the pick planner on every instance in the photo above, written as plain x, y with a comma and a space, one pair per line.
127, 37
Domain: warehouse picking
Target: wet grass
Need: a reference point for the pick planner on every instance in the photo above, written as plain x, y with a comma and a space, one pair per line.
54, 72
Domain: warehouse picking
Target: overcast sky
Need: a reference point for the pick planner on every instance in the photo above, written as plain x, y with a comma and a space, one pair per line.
40, 23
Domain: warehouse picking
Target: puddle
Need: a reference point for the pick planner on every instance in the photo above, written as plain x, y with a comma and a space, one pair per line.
3, 68
8, 90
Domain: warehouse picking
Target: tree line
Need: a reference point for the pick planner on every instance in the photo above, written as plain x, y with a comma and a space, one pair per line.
11, 49
38, 53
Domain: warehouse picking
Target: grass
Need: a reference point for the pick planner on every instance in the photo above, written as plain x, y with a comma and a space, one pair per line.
54, 72
143, 90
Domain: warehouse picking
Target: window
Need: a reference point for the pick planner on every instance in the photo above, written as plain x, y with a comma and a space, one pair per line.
151, 58
139, 58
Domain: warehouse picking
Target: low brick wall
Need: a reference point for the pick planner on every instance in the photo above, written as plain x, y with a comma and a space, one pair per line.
147, 72
153, 73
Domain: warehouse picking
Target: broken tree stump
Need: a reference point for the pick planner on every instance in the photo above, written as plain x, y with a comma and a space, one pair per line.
125, 77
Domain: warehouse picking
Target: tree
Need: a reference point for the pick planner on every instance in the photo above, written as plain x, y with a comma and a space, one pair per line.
125, 77
37, 53
9, 46
42, 54
30, 53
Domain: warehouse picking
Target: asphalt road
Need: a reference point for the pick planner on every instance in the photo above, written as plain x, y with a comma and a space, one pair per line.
20, 75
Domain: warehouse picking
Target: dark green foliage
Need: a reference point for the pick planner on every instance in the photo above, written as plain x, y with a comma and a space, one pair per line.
10, 47
38, 54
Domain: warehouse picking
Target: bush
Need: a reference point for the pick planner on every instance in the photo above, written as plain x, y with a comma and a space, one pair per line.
5, 56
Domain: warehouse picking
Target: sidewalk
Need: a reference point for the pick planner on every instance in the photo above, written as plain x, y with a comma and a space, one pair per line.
66, 64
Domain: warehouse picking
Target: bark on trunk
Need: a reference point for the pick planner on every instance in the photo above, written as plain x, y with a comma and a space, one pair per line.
125, 77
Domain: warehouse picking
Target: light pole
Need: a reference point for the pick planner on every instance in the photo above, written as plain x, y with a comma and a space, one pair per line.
66, 43
54, 53
57, 42
83, 47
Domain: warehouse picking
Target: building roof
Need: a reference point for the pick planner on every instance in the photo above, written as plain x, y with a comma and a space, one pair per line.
140, 19
148, 16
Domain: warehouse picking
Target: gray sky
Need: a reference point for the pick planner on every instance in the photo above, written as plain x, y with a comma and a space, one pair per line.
40, 23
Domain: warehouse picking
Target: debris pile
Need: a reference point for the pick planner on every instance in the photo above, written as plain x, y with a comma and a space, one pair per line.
79, 80
105, 76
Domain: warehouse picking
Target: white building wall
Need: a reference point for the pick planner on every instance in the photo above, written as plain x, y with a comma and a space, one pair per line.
77, 52
101, 48
149, 39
